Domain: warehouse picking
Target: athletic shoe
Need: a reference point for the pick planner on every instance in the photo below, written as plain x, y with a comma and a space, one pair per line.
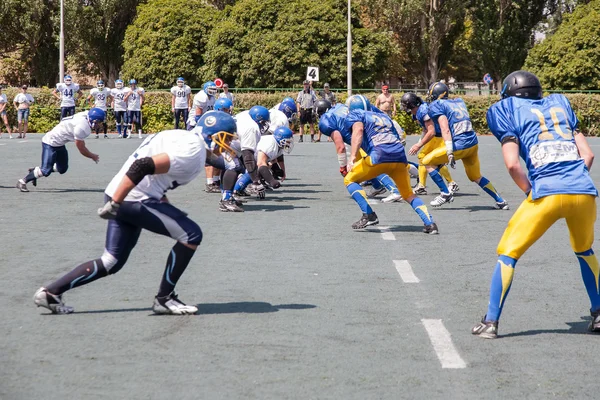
453, 187
22, 186
374, 192
129, 136
172, 305
120, 135
595, 324
392, 198
301, 139
486, 329
34, 182
419, 190
366, 220
431, 229
238, 194
97, 136
502, 205
54, 303
212, 188
105, 136
229, 205
139, 135
443, 198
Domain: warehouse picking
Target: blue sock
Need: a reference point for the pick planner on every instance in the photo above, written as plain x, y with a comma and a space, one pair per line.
376, 183
242, 182
359, 195
226, 194
590, 272
501, 282
388, 182
421, 209
490, 189
439, 181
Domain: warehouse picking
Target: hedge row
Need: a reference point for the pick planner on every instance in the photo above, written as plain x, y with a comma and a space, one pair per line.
157, 114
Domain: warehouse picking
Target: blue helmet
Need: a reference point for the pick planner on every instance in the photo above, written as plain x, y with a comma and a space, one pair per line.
437, 90
219, 127
358, 101
180, 81
96, 115
288, 107
132, 82
68, 79
100, 84
224, 104
284, 138
210, 88
261, 116
119, 83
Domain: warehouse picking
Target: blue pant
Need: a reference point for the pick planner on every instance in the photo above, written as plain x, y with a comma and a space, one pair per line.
121, 117
54, 155
134, 117
181, 114
66, 112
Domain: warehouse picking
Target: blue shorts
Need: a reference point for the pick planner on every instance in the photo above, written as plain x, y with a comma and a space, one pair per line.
23, 115
67, 112
121, 116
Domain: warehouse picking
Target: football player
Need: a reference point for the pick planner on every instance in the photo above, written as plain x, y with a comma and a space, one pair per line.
432, 138
119, 106
55, 157
135, 100
544, 133
180, 101
375, 134
204, 101
100, 95
225, 105
67, 98
461, 144
135, 200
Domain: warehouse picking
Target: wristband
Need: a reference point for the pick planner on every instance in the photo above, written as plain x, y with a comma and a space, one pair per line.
342, 159
449, 147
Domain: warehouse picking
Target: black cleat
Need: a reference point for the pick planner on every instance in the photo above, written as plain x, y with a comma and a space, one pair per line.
212, 188
366, 220
486, 329
431, 229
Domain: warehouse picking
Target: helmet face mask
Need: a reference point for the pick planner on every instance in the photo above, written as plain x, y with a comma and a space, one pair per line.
68, 79
223, 140
284, 138
210, 88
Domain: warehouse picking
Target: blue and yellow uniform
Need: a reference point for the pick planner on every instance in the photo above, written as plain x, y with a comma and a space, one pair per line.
561, 187
385, 154
464, 144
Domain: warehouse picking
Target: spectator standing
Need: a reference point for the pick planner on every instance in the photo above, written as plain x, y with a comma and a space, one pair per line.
328, 95
306, 100
67, 98
226, 94
180, 101
3, 103
386, 102
22, 103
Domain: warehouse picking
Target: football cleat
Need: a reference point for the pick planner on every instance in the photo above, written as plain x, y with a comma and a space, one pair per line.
366, 220
22, 186
486, 329
172, 305
431, 229
453, 187
392, 198
54, 303
212, 188
419, 190
501, 205
240, 193
595, 324
443, 198
230, 205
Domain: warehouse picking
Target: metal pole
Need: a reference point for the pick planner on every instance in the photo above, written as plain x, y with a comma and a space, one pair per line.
61, 56
349, 48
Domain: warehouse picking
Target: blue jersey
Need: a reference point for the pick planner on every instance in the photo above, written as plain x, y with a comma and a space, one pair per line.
422, 116
380, 139
459, 122
544, 130
333, 120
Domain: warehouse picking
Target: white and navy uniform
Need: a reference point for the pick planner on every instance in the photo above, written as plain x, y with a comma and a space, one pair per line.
120, 105
142, 208
67, 98
70, 129
100, 96
277, 119
182, 95
203, 101
134, 106
248, 131
268, 145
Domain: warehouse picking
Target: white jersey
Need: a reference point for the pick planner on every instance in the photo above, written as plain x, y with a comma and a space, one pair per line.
118, 95
269, 146
187, 155
67, 94
227, 95
22, 98
134, 100
3, 98
203, 101
100, 96
181, 96
277, 119
247, 130
76, 127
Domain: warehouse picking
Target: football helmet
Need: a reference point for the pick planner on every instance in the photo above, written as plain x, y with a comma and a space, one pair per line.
284, 138
119, 84
321, 107
437, 90
180, 81
100, 84
358, 101
132, 82
96, 115
409, 101
210, 88
225, 105
68, 80
220, 128
288, 107
522, 84
261, 116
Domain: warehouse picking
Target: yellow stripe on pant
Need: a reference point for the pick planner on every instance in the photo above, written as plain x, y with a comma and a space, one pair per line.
469, 157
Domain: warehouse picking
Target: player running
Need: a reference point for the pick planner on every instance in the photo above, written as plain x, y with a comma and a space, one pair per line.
100, 95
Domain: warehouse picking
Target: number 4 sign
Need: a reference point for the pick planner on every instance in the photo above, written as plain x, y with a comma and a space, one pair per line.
312, 74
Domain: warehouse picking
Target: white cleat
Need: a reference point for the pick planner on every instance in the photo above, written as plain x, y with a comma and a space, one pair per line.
54, 303
392, 198
503, 205
172, 305
443, 198
453, 187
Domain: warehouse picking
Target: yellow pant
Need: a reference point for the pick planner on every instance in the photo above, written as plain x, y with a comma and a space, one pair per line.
433, 144
364, 170
468, 156
533, 218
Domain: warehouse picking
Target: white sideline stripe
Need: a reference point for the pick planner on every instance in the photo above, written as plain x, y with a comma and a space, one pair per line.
23, 141
405, 270
442, 344
386, 234
373, 202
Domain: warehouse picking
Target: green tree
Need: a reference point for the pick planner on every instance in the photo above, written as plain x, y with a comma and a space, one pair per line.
570, 59
167, 40
271, 43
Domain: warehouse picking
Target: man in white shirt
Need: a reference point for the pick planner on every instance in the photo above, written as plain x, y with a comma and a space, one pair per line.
180, 101
134, 99
226, 94
67, 97
135, 200
3, 103
119, 106
100, 95
22, 103
55, 157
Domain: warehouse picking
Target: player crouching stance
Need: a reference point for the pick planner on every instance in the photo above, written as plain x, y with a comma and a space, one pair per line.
55, 157
377, 137
543, 131
135, 200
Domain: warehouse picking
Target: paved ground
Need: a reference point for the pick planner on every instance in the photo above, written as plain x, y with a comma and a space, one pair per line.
293, 303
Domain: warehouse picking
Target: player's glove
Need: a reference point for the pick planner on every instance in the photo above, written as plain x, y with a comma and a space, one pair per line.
258, 189
109, 211
451, 160
344, 171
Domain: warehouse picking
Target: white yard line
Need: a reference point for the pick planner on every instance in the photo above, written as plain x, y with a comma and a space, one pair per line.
442, 344
386, 234
405, 270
